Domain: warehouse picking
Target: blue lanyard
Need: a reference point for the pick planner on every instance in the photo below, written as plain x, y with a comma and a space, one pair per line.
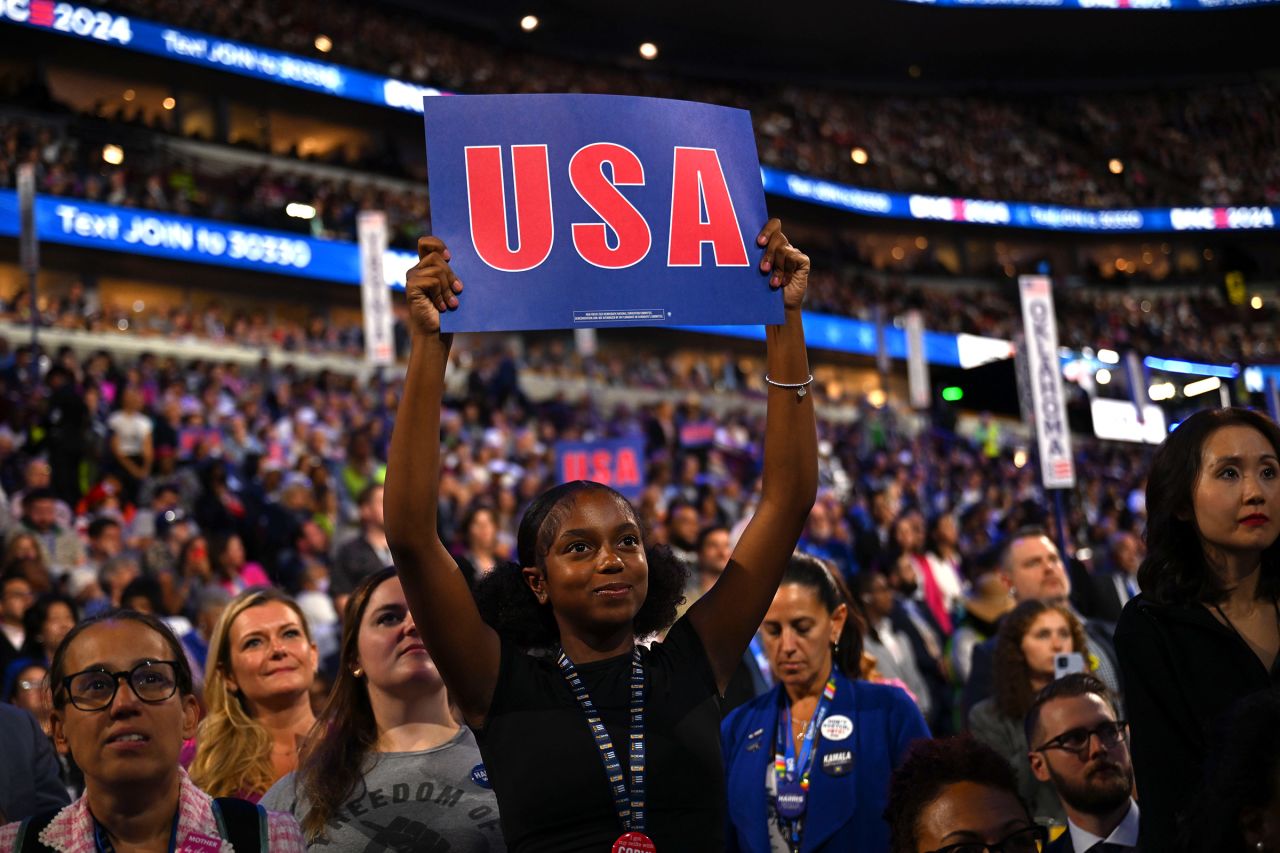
628, 805
787, 767
104, 845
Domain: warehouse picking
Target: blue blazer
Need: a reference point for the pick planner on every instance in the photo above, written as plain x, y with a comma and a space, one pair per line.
845, 812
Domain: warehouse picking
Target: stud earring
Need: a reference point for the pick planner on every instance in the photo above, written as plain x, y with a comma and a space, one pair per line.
358, 672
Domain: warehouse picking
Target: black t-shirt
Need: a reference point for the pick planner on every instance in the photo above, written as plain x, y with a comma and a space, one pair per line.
546, 770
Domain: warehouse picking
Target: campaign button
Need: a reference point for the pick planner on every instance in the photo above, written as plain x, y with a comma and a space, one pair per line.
838, 727
480, 776
634, 842
838, 763
791, 800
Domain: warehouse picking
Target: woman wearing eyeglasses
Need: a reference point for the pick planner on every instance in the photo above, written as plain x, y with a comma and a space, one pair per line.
122, 704
1029, 639
957, 795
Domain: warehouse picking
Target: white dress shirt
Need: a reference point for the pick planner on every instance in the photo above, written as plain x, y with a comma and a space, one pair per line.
1125, 834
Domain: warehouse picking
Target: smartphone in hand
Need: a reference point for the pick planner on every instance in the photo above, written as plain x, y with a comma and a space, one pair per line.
1067, 663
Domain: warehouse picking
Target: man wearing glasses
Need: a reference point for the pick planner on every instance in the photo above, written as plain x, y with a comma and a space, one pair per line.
1082, 750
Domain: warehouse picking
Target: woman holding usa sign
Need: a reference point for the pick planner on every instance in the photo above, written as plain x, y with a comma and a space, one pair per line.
591, 741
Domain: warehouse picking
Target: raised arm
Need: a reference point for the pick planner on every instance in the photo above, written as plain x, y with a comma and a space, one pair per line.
465, 649
730, 613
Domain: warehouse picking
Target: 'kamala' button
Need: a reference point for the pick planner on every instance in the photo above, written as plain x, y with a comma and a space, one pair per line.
837, 763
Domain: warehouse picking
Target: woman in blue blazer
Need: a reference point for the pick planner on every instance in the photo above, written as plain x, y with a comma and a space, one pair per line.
808, 763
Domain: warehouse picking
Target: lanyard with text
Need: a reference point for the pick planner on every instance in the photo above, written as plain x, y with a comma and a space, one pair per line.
791, 772
628, 804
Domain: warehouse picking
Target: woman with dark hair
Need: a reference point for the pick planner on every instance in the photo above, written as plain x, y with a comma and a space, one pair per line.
957, 795
49, 620
480, 542
387, 725
122, 705
585, 591
1238, 811
1029, 638
894, 656
1205, 630
831, 739
231, 569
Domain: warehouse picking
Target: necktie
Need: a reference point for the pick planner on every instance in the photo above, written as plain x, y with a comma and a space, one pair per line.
1109, 847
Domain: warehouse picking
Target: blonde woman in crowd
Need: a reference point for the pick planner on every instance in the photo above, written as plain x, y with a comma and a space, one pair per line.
262, 663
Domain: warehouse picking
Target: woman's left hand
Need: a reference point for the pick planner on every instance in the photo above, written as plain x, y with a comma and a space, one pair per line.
787, 266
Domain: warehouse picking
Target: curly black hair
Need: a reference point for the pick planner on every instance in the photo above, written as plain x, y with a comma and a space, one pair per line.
508, 605
1175, 570
931, 765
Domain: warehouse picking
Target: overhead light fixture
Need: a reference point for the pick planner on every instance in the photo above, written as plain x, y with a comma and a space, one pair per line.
1115, 166
129, 94
168, 103
1102, 377
649, 50
1256, 303
298, 210
1108, 356
529, 23
324, 44
1201, 386
112, 154
859, 155
1162, 391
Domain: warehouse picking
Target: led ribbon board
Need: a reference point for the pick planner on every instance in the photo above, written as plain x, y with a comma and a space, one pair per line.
89, 225
95, 25
196, 48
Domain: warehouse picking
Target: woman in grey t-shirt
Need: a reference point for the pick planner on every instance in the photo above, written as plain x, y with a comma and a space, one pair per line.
387, 766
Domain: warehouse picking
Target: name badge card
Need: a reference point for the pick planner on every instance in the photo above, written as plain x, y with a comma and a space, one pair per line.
594, 211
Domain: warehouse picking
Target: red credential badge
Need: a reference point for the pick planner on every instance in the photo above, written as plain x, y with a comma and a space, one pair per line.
634, 842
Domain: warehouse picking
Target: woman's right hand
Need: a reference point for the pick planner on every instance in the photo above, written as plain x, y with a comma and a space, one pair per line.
431, 288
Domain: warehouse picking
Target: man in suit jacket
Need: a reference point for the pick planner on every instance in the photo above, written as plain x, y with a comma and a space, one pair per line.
1119, 583
29, 780
1079, 747
1032, 568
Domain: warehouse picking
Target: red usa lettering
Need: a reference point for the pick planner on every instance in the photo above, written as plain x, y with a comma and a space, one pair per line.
621, 470
701, 213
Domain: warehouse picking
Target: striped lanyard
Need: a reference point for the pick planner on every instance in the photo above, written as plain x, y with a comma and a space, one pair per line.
629, 805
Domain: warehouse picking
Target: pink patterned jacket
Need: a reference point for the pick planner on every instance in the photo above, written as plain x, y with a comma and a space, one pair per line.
72, 830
